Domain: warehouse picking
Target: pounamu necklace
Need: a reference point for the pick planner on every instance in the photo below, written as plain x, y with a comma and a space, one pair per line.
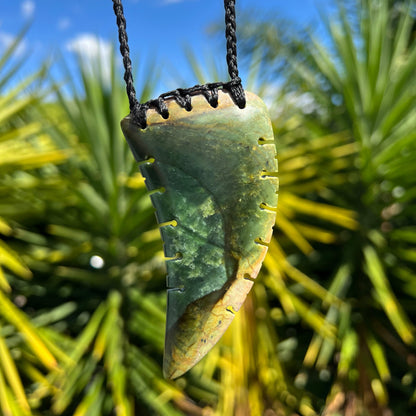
208, 155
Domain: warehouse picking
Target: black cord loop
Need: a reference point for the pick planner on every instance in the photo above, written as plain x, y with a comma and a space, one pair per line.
183, 96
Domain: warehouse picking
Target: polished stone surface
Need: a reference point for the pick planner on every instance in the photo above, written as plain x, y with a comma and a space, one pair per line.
213, 168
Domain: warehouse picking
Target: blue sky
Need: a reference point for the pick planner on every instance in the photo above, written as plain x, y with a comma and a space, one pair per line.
155, 27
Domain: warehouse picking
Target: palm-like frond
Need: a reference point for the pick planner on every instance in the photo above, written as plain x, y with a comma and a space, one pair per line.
247, 356
363, 83
24, 147
329, 323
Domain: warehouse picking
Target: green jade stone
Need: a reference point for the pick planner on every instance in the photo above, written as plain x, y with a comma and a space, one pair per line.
211, 170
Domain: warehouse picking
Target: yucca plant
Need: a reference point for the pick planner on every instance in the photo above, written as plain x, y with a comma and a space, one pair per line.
26, 152
362, 83
97, 295
328, 325
250, 356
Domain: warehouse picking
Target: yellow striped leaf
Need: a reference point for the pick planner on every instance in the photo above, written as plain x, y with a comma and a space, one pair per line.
16, 317
88, 334
92, 402
336, 215
11, 260
4, 399
12, 375
348, 352
5, 229
379, 358
4, 284
292, 232
386, 297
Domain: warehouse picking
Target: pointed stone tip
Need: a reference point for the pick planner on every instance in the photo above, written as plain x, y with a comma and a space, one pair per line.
200, 328
173, 369
183, 349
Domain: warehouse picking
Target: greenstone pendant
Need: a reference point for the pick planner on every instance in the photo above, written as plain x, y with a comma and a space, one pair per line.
213, 173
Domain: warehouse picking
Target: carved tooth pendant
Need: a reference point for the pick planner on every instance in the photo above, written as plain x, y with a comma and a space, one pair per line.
215, 169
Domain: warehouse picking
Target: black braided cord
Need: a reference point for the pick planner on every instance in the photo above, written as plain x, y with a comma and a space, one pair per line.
236, 88
182, 96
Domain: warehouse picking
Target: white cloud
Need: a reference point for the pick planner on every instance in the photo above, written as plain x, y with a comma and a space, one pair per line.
89, 46
64, 23
95, 52
27, 8
6, 41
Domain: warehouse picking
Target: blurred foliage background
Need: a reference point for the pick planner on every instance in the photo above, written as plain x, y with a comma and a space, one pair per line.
329, 326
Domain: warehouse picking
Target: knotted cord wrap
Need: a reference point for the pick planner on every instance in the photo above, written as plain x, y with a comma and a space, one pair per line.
183, 96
